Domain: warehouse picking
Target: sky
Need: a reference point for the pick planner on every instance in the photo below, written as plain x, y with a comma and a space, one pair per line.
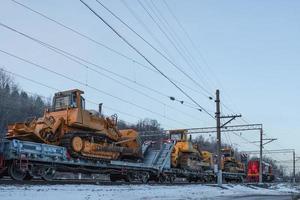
247, 49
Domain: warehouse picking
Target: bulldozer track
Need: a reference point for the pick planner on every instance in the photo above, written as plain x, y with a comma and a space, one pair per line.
66, 142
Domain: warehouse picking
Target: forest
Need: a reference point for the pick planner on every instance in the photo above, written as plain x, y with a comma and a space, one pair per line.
17, 105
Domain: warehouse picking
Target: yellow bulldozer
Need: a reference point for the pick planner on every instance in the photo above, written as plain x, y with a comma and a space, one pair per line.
83, 132
185, 155
229, 163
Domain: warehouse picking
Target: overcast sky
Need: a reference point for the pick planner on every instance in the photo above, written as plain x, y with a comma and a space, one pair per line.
247, 49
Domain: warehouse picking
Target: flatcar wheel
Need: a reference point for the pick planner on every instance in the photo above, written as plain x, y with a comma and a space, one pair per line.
128, 178
162, 179
48, 174
114, 177
16, 173
171, 179
28, 177
77, 144
145, 178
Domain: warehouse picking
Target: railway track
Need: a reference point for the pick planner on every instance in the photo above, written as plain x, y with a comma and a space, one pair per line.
9, 181
6, 181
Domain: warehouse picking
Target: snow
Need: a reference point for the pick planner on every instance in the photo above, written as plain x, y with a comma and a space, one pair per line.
145, 192
284, 187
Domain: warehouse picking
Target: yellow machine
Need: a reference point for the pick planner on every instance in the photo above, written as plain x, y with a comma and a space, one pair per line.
207, 158
184, 154
85, 133
229, 163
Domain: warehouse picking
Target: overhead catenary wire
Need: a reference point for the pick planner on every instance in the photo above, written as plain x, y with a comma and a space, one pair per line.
73, 58
172, 31
88, 38
82, 35
153, 36
227, 136
193, 44
145, 58
174, 39
185, 32
148, 30
91, 87
208, 94
164, 33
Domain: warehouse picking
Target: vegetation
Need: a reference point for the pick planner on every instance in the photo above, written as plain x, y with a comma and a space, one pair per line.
16, 104
141, 125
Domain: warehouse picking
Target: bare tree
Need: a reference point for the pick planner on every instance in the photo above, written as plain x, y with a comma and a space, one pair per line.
16, 105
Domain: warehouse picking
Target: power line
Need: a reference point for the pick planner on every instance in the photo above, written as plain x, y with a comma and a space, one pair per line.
166, 27
187, 35
28, 79
245, 139
227, 135
142, 38
164, 33
182, 49
71, 57
153, 36
84, 36
146, 59
197, 50
226, 138
146, 27
89, 86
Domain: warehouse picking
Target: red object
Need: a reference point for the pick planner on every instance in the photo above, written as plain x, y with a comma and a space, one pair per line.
253, 171
253, 167
2, 163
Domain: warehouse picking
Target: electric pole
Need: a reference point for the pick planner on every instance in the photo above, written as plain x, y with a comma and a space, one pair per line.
261, 146
260, 156
218, 119
294, 167
219, 127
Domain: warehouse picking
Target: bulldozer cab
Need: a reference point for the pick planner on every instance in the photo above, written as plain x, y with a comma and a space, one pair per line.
227, 152
68, 100
178, 134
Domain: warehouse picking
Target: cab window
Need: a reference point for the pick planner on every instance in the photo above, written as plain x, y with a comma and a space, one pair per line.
61, 102
82, 101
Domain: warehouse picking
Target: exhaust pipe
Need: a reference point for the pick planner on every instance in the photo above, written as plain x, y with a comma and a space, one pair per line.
100, 109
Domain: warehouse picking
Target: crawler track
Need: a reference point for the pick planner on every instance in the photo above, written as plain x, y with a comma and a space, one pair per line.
66, 142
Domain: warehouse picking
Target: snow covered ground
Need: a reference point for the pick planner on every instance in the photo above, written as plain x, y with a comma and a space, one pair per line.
283, 187
124, 192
